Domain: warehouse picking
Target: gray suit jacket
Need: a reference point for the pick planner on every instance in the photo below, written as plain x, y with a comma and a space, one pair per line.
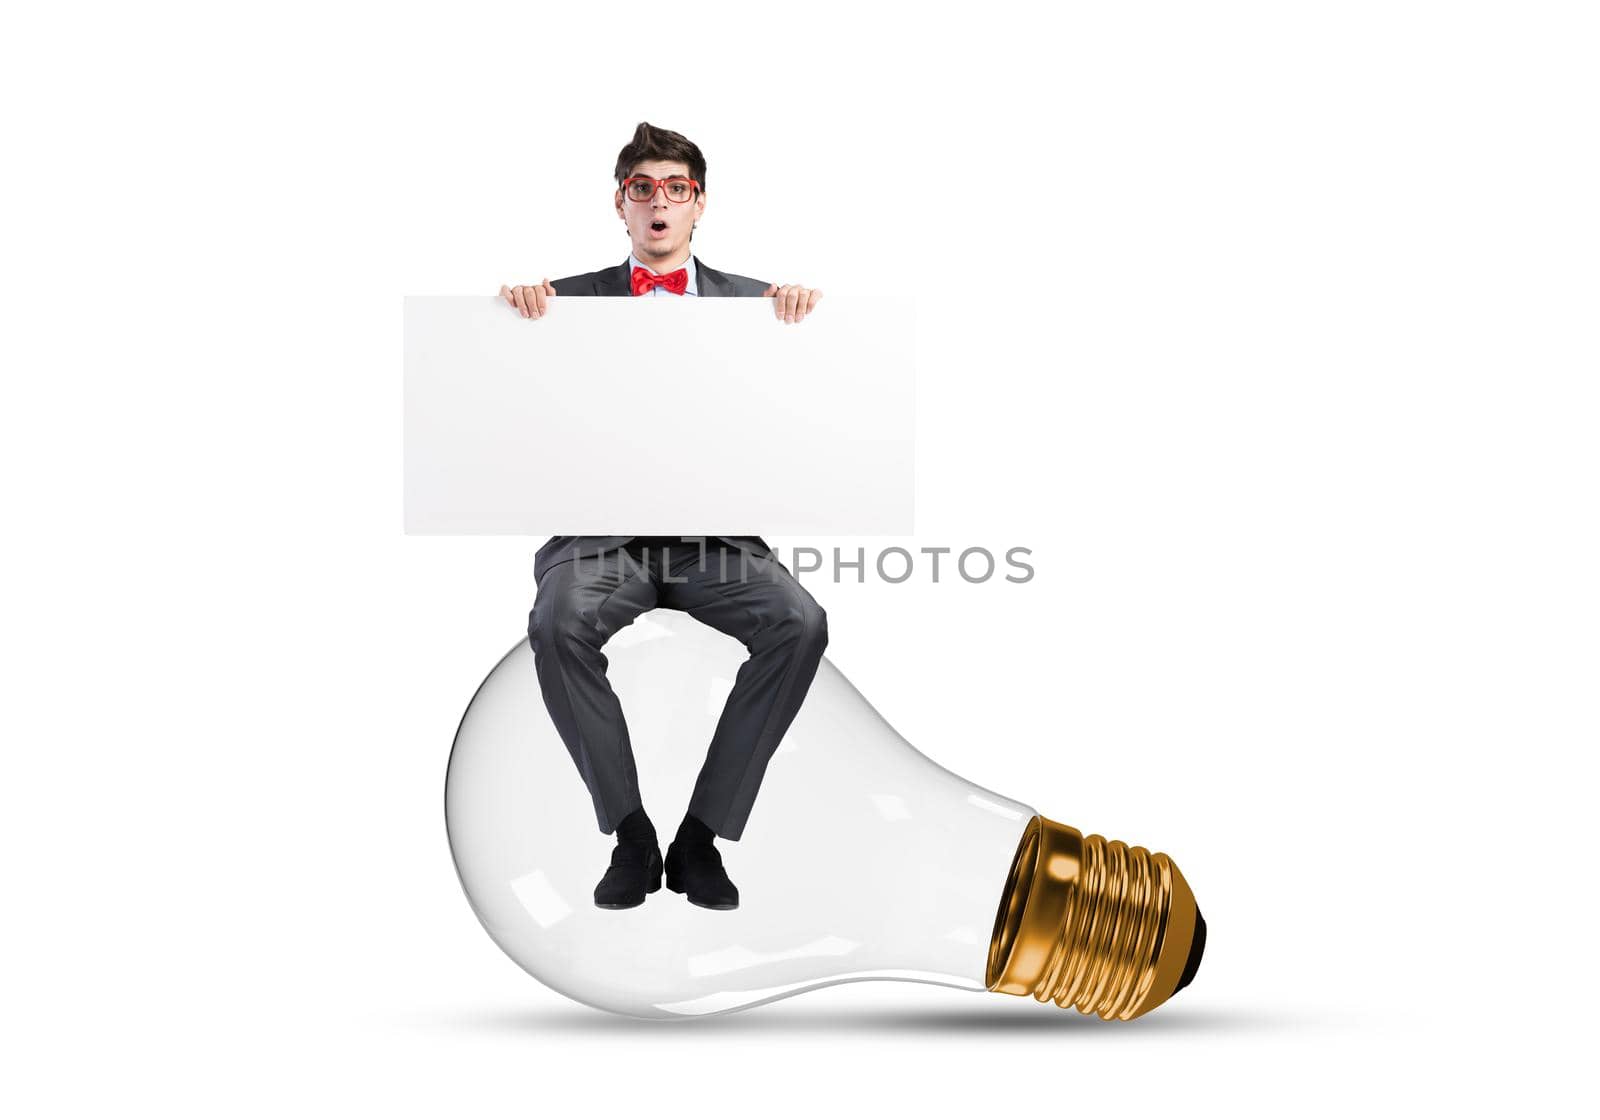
615, 282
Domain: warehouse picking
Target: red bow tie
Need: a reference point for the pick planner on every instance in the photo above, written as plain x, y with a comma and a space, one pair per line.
675, 282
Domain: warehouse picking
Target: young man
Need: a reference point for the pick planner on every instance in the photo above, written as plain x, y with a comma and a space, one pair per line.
591, 587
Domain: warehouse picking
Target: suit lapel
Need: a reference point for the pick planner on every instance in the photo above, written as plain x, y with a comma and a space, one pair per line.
613, 282
709, 282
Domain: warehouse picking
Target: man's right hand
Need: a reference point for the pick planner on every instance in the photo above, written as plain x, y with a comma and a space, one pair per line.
532, 300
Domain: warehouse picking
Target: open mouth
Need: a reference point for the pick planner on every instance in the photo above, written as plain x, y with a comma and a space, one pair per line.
658, 228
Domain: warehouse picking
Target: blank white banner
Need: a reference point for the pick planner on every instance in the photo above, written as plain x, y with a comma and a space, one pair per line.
657, 416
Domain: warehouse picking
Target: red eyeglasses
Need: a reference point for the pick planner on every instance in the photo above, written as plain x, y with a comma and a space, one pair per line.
642, 188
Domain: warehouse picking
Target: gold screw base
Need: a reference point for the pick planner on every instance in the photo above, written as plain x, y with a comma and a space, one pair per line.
1093, 924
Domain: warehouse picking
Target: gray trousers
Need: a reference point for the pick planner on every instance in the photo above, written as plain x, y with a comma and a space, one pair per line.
582, 602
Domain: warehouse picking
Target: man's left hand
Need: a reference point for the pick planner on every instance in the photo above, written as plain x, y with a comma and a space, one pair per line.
792, 302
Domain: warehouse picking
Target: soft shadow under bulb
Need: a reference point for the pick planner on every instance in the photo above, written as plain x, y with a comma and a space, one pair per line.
862, 860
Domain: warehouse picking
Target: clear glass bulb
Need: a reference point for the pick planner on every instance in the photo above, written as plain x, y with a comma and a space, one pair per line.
862, 860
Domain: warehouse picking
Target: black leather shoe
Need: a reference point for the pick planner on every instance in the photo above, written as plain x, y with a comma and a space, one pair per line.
634, 872
696, 872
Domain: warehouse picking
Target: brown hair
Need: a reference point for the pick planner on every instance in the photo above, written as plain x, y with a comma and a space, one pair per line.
650, 142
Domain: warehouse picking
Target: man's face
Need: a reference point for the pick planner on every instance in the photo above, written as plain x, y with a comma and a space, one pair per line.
660, 227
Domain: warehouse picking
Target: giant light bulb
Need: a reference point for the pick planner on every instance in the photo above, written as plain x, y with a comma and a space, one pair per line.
862, 860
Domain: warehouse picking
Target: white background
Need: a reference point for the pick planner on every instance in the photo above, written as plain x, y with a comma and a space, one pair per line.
1270, 329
